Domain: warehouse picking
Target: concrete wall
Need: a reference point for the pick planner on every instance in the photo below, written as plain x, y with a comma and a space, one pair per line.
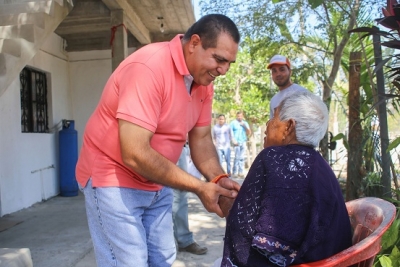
89, 72
29, 161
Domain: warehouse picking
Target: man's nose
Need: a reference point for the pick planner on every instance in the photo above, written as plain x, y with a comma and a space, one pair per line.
223, 68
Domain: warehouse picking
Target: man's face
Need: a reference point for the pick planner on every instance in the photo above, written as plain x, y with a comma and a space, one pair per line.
239, 117
221, 120
281, 75
207, 64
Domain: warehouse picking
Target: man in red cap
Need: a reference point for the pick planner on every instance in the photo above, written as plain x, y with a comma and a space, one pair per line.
281, 72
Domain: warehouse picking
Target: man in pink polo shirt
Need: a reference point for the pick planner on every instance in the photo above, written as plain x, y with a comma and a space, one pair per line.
127, 165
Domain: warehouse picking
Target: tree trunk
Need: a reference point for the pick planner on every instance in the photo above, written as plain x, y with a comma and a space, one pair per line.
337, 55
354, 159
383, 125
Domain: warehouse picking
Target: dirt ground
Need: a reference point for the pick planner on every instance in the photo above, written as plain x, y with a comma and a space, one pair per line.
208, 230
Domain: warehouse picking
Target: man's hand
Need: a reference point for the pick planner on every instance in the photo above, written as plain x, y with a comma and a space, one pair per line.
229, 184
210, 195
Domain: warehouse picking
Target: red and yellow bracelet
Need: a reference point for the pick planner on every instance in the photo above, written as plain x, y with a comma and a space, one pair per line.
219, 177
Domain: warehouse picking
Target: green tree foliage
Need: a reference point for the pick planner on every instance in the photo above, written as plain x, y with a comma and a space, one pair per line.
313, 34
389, 43
390, 37
245, 87
389, 256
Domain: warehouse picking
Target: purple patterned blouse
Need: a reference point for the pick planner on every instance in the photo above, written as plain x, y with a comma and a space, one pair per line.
289, 210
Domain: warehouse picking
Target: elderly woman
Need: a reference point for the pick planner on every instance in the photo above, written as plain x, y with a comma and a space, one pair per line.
290, 208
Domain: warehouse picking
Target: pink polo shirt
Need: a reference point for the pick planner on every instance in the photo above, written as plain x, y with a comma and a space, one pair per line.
146, 89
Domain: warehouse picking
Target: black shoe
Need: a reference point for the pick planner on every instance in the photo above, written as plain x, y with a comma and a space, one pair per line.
194, 248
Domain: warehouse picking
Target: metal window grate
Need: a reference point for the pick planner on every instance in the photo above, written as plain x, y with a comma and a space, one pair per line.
34, 110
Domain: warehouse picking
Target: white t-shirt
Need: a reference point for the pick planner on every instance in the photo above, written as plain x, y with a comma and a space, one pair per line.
278, 97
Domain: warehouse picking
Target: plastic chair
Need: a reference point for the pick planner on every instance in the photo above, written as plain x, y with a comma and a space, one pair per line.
370, 218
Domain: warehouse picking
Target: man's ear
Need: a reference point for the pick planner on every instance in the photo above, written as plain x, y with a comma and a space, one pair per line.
194, 42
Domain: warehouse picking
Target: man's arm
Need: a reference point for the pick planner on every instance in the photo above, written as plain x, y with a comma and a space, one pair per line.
203, 152
247, 127
138, 155
230, 134
231, 126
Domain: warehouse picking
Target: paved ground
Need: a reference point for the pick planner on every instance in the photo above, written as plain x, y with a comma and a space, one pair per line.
57, 235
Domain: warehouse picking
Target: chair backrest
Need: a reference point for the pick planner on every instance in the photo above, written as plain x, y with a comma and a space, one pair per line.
370, 218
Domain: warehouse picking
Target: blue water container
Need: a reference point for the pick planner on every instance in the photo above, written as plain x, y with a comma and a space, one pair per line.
68, 149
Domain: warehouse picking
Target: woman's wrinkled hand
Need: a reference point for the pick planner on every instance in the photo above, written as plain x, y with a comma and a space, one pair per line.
226, 203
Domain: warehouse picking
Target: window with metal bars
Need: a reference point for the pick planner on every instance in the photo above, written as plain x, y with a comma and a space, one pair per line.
34, 108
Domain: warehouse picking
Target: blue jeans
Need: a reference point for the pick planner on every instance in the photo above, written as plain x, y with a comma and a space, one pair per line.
130, 227
238, 163
182, 234
225, 153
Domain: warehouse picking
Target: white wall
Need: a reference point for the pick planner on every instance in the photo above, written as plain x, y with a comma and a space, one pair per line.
29, 161
89, 72
21, 183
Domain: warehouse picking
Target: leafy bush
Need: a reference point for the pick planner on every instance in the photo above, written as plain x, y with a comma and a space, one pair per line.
389, 256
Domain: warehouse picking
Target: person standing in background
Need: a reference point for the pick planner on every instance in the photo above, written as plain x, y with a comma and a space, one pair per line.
240, 130
222, 136
183, 236
281, 71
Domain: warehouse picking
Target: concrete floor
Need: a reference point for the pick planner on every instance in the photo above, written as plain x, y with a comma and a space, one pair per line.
56, 233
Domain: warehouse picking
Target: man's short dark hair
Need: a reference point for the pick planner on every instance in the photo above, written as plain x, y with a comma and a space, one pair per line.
209, 27
221, 115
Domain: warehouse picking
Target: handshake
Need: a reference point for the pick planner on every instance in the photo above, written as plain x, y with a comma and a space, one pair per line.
226, 203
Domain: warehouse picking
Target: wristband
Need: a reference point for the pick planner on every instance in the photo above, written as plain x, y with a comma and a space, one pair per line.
219, 177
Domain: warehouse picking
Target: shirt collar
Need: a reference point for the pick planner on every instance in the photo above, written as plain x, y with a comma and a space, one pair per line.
175, 46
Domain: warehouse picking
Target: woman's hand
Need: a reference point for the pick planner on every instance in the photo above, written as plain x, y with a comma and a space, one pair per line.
226, 203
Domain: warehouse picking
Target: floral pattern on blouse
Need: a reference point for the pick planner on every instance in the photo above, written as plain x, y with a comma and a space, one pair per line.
275, 250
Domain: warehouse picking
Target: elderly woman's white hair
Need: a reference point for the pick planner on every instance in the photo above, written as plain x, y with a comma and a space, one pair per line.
310, 114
